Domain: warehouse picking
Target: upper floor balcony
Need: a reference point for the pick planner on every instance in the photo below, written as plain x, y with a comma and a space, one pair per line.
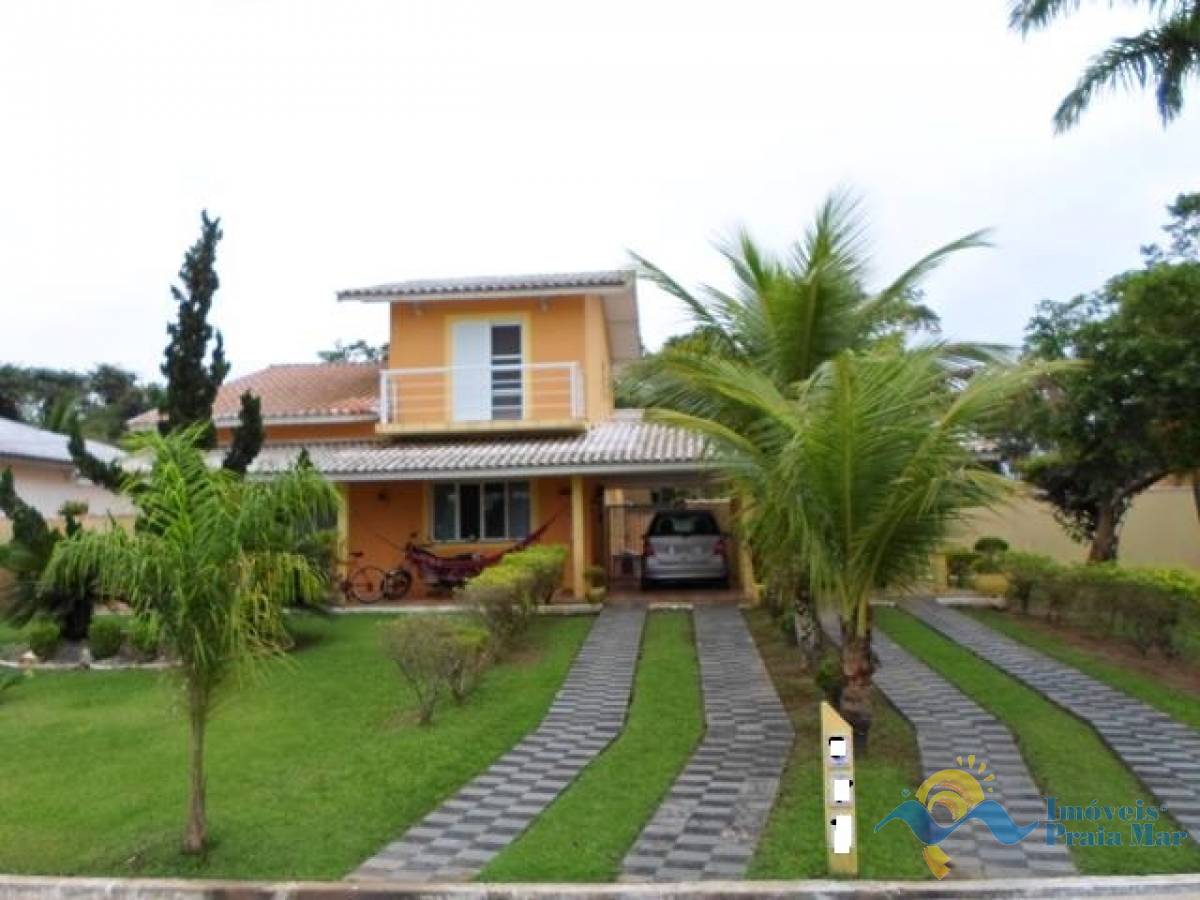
484, 397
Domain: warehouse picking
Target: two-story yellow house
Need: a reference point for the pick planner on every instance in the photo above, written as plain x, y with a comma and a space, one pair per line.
493, 416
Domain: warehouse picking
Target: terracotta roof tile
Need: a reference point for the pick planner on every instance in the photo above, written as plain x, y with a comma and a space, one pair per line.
298, 390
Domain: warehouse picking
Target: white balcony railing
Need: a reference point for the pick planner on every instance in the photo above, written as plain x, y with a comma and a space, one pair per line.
434, 397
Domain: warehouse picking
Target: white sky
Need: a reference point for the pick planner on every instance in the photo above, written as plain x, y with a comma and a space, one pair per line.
345, 144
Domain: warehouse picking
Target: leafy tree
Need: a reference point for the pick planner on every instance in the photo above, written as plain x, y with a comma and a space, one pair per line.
103, 399
355, 351
860, 472
785, 318
214, 563
1166, 54
26, 555
1092, 439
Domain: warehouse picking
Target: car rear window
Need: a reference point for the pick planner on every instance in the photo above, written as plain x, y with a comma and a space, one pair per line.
684, 524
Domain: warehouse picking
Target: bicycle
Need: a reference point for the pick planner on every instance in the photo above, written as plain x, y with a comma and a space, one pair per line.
369, 584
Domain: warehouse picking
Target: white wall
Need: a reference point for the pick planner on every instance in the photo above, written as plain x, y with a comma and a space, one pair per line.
46, 486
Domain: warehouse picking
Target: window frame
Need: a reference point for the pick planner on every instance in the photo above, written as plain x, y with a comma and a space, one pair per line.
481, 485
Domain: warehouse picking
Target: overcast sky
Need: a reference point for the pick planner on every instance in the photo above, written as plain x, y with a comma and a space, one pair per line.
345, 144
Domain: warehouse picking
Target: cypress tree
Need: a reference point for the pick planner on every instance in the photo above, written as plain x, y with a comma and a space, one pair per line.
194, 375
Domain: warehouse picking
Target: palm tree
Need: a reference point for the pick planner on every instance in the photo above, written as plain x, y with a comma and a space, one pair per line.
213, 559
784, 319
860, 473
1167, 53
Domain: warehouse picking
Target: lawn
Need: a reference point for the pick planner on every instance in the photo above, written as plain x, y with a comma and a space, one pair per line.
312, 767
1178, 703
1066, 757
793, 845
586, 832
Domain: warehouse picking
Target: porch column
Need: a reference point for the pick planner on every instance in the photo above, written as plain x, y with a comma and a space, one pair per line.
738, 508
343, 527
578, 538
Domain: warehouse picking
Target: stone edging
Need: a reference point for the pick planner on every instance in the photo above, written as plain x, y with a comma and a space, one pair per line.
24, 887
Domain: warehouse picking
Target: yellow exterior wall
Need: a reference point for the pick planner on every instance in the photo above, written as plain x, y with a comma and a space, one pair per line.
1160, 529
557, 330
382, 515
333, 431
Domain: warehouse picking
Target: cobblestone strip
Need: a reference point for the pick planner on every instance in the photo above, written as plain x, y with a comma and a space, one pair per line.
460, 837
950, 725
1163, 753
710, 822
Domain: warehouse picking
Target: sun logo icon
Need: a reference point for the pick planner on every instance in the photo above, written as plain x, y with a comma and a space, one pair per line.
948, 799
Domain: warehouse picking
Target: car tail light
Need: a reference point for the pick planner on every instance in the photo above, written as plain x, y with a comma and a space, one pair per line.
719, 547
647, 548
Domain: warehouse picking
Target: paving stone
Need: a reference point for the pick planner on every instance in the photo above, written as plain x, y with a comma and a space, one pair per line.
458, 839
950, 725
1162, 752
733, 775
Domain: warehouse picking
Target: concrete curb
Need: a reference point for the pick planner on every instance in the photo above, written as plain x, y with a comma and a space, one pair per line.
552, 609
19, 887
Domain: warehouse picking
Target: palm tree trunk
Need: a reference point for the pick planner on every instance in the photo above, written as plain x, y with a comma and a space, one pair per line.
856, 687
197, 829
807, 629
1104, 541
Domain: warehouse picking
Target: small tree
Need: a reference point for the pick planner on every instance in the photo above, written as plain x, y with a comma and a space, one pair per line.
214, 564
26, 556
861, 475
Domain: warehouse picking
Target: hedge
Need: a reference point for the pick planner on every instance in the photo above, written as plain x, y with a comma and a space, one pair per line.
1154, 608
506, 594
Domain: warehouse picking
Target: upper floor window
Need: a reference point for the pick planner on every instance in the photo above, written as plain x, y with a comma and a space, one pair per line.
488, 369
481, 510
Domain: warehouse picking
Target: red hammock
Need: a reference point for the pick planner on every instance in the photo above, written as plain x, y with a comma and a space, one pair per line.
453, 571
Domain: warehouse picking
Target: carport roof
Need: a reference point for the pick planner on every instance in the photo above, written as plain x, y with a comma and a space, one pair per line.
622, 445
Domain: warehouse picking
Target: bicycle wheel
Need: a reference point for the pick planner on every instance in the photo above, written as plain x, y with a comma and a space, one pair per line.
366, 584
397, 584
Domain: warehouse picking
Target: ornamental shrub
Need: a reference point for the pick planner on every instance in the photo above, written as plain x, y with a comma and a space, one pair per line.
506, 595
1025, 571
960, 563
105, 637
989, 549
146, 637
43, 636
434, 655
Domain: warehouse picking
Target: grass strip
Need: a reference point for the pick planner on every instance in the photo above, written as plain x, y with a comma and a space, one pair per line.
586, 832
312, 767
1184, 707
1066, 757
793, 844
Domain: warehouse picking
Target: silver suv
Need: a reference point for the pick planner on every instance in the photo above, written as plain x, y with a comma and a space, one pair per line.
684, 545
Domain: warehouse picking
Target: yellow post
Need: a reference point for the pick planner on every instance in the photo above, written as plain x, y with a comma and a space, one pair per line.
738, 510
578, 538
343, 528
841, 829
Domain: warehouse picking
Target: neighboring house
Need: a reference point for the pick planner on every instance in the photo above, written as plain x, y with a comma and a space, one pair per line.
492, 417
44, 475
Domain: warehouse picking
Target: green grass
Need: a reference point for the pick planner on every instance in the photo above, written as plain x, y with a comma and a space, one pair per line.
1066, 757
312, 768
793, 845
586, 832
1176, 703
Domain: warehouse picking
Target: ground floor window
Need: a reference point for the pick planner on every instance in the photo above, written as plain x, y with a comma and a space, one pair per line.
481, 510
